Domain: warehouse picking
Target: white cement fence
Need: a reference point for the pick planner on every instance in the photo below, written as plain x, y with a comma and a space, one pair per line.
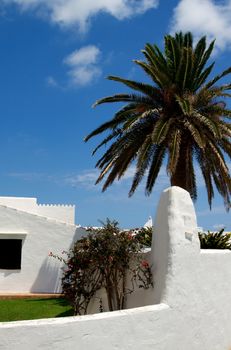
190, 307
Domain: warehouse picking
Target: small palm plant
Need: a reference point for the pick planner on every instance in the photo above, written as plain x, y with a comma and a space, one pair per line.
180, 116
215, 240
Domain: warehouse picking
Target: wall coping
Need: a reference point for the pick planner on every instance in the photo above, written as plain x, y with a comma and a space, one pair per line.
85, 318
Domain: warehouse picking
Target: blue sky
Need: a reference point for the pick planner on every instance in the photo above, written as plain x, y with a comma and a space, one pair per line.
55, 55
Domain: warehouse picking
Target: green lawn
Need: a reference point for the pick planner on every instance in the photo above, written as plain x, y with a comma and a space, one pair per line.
29, 309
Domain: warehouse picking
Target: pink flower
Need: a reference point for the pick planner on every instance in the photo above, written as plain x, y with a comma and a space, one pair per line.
50, 254
145, 264
130, 236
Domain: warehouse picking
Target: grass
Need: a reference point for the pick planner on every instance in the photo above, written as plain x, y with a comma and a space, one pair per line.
30, 309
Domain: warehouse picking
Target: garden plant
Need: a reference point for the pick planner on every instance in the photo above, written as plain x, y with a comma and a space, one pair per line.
109, 259
215, 240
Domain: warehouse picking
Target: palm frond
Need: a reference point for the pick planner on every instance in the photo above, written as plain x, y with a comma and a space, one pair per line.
113, 135
147, 89
157, 160
205, 167
195, 133
143, 161
191, 178
204, 121
218, 77
174, 151
160, 131
125, 98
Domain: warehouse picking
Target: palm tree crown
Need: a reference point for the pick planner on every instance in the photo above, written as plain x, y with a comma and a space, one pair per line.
180, 116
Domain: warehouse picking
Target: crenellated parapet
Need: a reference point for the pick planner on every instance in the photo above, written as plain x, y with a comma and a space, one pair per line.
61, 212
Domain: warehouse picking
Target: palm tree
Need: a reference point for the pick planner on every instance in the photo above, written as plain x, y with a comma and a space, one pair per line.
180, 116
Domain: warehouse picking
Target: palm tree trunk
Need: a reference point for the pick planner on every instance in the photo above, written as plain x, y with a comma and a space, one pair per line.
179, 178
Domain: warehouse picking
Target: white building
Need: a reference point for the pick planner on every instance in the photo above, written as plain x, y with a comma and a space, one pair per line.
28, 232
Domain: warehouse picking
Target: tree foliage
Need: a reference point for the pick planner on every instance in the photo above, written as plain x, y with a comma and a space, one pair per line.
180, 117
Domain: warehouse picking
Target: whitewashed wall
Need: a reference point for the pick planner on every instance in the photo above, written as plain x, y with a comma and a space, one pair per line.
62, 213
39, 273
192, 309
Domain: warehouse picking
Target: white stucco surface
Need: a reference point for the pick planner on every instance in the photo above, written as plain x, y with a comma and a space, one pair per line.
62, 213
39, 273
191, 299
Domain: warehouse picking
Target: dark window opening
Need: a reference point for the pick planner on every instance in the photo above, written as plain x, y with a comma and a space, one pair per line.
10, 254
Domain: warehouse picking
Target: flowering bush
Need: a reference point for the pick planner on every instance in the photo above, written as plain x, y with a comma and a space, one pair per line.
106, 258
144, 236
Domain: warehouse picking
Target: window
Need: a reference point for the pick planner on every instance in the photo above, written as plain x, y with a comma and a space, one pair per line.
10, 254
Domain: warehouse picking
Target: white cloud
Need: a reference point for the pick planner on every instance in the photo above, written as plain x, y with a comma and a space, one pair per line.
84, 56
83, 75
79, 12
129, 174
205, 17
86, 179
218, 227
51, 81
214, 211
32, 176
83, 65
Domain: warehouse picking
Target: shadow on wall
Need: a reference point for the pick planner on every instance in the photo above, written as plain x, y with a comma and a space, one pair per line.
10, 272
48, 279
79, 233
49, 276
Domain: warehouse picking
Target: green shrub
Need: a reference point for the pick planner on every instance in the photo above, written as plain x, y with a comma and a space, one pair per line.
144, 236
215, 240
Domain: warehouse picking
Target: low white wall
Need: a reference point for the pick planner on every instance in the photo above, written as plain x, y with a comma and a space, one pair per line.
192, 290
39, 272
